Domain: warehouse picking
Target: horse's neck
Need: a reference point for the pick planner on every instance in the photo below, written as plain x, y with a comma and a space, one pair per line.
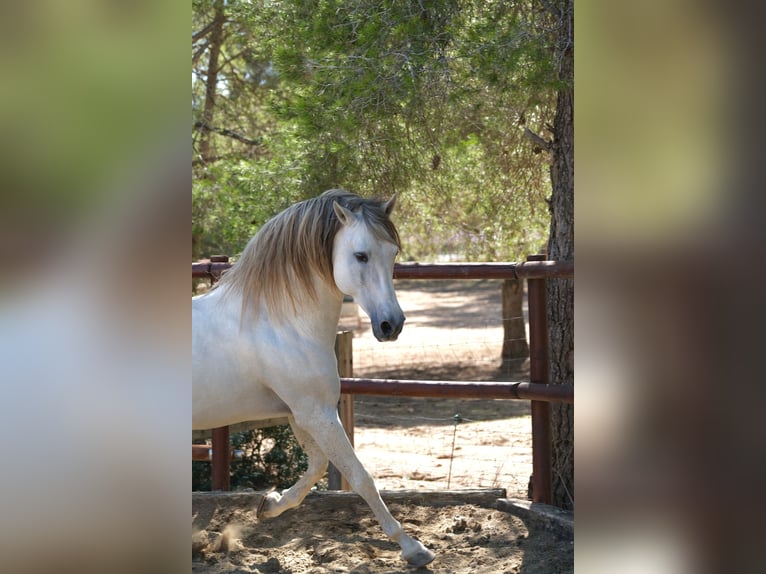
318, 318
313, 318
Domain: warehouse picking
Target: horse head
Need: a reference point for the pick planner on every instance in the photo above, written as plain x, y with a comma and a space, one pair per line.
363, 267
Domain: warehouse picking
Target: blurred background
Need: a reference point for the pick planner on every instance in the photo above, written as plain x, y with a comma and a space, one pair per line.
94, 217
94, 212
669, 296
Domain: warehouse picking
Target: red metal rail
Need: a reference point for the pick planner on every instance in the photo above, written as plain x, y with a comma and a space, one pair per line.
458, 389
526, 270
202, 452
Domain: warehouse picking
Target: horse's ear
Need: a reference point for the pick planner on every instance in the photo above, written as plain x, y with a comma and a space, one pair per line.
388, 207
346, 216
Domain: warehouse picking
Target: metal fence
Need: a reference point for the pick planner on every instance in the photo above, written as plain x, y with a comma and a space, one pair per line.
539, 391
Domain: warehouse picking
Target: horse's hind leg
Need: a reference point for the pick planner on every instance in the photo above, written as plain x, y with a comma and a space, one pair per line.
275, 503
327, 431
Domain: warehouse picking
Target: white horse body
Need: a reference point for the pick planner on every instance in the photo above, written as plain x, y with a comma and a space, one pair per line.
235, 373
255, 360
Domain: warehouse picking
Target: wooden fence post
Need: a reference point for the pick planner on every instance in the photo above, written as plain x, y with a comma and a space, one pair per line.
344, 354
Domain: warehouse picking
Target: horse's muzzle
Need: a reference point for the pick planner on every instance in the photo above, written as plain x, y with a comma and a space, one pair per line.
388, 330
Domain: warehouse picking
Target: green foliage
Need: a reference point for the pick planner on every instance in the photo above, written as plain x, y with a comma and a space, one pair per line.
428, 100
236, 198
271, 457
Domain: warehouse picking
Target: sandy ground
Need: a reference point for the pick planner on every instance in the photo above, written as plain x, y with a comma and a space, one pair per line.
340, 535
453, 332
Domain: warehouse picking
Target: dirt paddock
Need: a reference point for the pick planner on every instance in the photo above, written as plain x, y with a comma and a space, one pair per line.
416, 454
337, 533
454, 331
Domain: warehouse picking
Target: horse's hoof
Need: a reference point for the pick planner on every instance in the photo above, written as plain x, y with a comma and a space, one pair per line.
420, 558
266, 506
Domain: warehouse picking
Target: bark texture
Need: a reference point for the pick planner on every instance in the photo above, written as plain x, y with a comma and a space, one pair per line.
205, 152
561, 248
211, 82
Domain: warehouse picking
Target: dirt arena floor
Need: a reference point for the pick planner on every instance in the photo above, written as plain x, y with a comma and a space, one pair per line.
338, 534
453, 332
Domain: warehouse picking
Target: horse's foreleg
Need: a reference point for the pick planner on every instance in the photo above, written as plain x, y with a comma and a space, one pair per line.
275, 503
328, 433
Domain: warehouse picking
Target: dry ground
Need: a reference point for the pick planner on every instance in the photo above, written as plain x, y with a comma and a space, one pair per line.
338, 534
453, 331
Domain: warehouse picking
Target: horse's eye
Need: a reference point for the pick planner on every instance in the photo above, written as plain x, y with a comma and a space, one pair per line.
361, 257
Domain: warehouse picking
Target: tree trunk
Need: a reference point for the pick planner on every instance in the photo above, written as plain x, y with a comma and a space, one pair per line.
211, 82
561, 248
515, 345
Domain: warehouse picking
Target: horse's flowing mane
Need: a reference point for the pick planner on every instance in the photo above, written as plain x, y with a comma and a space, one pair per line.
280, 262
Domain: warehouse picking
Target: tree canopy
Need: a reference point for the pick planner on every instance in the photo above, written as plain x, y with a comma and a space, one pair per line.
444, 103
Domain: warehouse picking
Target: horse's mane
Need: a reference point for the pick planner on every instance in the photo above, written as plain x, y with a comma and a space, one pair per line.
282, 259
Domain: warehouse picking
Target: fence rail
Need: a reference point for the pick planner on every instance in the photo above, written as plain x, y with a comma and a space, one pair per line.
457, 389
505, 270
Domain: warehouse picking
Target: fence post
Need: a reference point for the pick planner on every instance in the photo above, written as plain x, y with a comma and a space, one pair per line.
539, 372
344, 354
220, 475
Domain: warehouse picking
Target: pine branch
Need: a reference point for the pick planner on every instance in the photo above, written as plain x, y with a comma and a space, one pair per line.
536, 139
226, 132
201, 50
198, 35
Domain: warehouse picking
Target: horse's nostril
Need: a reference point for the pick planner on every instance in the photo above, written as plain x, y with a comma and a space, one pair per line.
386, 328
